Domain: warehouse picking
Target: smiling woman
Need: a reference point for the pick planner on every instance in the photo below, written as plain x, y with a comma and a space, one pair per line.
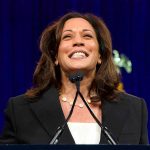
78, 48
76, 42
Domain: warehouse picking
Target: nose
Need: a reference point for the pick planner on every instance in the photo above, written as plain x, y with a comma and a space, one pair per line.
78, 41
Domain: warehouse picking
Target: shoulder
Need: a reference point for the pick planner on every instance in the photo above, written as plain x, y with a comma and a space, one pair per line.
18, 102
127, 101
23, 99
131, 101
19, 99
126, 97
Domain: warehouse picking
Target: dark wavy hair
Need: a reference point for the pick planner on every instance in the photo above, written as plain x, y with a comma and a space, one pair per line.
48, 74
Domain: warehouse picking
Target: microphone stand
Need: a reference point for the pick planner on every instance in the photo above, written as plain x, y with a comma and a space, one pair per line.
104, 129
76, 78
60, 129
107, 133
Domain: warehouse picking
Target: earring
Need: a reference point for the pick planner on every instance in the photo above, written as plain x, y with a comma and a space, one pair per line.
56, 62
99, 61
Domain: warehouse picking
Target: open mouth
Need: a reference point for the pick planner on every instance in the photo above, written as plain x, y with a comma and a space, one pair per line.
78, 55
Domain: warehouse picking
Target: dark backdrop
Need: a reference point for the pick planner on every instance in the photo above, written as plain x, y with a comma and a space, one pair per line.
22, 21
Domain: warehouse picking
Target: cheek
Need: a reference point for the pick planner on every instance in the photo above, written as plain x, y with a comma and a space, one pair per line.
62, 51
64, 47
60, 48
94, 45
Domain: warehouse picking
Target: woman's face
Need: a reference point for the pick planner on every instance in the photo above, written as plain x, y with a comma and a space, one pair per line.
79, 48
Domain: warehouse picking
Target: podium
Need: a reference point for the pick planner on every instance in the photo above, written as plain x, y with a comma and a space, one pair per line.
74, 147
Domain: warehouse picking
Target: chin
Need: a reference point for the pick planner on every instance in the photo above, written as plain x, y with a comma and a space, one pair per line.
84, 69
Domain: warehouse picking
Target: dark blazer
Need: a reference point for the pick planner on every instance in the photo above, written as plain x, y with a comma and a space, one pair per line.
35, 122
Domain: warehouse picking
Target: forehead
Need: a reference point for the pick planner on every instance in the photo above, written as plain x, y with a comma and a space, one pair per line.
77, 23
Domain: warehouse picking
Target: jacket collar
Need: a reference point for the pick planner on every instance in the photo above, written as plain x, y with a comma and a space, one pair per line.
113, 114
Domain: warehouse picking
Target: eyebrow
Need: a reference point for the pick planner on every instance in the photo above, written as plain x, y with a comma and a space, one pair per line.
87, 30
82, 30
67, 30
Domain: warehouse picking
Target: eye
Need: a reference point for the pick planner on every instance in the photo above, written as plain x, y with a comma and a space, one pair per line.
68, 36
88, 36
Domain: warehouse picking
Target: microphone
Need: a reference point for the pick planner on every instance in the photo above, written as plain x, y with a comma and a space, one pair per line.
74, 78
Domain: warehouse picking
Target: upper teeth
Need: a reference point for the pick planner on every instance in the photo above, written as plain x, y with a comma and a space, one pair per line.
78, 55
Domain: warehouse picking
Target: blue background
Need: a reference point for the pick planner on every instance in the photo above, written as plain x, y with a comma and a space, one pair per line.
21, 24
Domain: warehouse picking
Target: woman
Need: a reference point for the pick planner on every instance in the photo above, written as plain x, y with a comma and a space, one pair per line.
76, 42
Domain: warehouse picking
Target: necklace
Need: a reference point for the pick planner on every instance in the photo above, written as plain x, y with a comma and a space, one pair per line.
81, 105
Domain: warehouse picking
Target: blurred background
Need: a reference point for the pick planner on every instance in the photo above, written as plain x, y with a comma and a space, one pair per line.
21, 24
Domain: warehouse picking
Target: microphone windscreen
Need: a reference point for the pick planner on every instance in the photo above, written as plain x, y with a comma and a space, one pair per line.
77, 76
